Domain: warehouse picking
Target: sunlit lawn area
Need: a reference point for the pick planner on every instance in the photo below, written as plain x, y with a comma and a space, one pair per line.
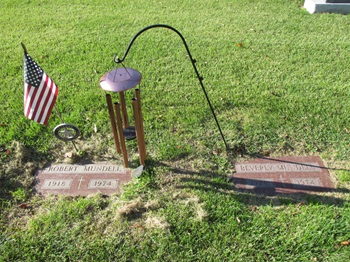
278, 80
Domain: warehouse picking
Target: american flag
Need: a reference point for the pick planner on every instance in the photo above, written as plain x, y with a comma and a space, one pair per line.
40, 92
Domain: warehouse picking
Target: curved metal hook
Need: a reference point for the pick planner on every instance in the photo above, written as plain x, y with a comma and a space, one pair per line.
193, 61
118, 60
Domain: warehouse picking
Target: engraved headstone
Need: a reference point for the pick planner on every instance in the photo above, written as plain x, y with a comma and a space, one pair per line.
327, 6
82, 180
282, 175
338, 1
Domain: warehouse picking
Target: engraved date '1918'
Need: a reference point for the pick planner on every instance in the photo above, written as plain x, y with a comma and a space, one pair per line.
57, 184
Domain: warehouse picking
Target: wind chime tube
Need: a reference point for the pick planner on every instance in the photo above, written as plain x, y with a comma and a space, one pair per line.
138, 98
113, 124
121, 133
124, 112
140, 142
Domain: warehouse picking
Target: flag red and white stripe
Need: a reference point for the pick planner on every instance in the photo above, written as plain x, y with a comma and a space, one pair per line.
40, 92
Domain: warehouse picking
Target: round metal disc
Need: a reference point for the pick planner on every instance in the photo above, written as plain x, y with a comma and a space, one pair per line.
129, 133
120, 79
66, 132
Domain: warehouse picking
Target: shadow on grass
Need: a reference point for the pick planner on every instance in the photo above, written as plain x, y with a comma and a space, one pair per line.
17, 174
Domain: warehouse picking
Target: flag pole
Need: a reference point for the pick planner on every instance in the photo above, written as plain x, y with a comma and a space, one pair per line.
24, 48
58, 114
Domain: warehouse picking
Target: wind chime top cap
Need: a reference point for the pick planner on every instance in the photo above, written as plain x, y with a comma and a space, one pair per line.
120, 79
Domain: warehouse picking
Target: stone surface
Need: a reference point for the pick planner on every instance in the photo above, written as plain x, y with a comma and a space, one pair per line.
327, 6
282, 175
76, 180
338, 1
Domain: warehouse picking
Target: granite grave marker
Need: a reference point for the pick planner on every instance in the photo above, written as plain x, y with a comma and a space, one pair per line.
82, 180
282, 175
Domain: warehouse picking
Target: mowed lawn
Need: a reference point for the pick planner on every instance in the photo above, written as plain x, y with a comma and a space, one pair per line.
278, 79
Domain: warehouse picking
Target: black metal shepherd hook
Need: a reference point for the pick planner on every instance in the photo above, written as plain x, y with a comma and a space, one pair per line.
193, 61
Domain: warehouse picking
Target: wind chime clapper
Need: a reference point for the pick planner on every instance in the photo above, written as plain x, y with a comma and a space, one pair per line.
120, 80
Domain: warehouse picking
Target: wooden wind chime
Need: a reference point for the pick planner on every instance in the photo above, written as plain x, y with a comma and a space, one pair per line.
120, 80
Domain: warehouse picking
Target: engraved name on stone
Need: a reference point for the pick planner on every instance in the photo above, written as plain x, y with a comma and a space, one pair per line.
261, 183
273, 168
306, 182
65, 169
57, 184
103, 183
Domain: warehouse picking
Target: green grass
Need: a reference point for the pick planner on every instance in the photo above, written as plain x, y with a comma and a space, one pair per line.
278, 79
